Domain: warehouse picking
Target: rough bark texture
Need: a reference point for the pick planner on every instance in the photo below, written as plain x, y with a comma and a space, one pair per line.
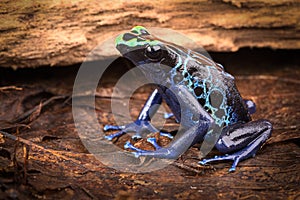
60, 33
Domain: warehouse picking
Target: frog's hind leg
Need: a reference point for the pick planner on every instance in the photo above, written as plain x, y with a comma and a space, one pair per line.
242, 139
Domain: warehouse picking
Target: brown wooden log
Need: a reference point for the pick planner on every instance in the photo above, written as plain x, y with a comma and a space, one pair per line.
60, 33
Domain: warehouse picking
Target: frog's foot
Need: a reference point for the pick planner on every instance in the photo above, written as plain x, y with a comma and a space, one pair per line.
235, 157
242, 139
159, 152
139, 127
112, 127
152, 141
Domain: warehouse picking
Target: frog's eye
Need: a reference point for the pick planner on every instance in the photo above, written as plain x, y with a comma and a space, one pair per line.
154, 52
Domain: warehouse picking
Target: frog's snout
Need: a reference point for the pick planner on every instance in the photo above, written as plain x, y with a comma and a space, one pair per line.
130, 39
140, 30
119, 40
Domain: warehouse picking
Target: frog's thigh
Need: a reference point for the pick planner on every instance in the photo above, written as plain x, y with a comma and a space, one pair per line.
249, 136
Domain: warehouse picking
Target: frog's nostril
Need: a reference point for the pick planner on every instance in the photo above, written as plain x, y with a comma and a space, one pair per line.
128, 36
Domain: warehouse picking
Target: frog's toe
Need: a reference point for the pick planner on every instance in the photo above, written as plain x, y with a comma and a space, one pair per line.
234, 157
128, 145
136, 154
139, 127
112, 136
168, 115
112, 127
203, 162
154, 143
166, 135
136, 137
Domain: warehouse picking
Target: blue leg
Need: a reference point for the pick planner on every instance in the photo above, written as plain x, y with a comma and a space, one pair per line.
243, 139
192, 132
250, 105
142, 125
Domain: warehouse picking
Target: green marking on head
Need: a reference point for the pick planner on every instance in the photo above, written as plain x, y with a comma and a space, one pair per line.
139, 40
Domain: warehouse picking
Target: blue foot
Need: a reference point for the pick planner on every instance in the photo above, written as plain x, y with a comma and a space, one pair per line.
233, 157
128, 145
140, 127
154, 143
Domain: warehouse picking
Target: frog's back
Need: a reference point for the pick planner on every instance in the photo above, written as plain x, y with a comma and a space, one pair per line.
214, 89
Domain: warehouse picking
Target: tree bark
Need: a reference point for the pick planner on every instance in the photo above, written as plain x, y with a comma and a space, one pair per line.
59, 33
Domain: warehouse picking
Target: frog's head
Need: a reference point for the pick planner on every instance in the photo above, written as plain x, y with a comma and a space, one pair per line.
147, 52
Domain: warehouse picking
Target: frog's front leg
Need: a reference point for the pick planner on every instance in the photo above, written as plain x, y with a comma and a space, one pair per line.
142, 125
195, 122
242, 139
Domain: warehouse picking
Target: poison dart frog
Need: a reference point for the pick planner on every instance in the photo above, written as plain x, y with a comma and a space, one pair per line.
202, 96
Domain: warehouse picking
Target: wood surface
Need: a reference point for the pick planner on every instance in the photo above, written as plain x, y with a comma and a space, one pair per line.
61, 33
